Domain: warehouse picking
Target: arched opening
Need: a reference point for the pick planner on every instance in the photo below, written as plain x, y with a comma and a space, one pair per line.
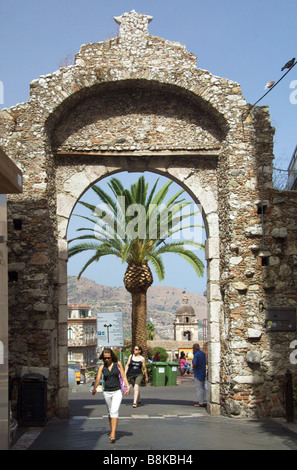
107, 276
211, 229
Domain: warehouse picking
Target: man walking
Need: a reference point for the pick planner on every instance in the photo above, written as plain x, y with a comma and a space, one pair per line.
199, 368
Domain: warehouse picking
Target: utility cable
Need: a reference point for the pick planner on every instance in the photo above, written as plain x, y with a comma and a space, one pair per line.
245, 114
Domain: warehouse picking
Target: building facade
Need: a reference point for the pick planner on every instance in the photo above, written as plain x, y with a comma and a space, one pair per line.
10, 182
79, 311
82, 336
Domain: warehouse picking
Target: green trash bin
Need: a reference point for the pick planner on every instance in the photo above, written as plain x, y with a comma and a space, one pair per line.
171, 373
158, 369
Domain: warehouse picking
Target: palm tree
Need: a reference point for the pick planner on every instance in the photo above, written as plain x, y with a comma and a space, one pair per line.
137, 240
151, 331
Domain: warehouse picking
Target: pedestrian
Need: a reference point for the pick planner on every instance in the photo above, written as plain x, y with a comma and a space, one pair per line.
112, 393
135, 370
199, 369
184, 366
156, 357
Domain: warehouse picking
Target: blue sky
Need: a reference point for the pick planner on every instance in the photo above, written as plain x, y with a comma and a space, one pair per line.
247, 42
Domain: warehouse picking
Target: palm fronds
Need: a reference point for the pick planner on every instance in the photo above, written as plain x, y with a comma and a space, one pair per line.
138, 226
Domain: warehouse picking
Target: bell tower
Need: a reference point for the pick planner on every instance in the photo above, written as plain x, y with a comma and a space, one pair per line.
186, 324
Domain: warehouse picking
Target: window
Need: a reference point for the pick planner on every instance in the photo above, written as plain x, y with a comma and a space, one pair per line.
17, 223
12, 276
70, 333
187, 334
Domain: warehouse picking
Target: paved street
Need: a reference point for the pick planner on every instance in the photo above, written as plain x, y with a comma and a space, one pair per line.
167, 420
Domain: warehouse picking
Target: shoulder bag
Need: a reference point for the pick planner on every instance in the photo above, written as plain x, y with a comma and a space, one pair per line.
123, 386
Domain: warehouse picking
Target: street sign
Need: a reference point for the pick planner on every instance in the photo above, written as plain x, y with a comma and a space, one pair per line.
110, 329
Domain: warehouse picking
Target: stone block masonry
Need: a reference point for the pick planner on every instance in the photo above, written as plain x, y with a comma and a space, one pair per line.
139, 103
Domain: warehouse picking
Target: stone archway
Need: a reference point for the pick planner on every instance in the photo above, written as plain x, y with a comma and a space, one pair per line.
139, 103
68, 193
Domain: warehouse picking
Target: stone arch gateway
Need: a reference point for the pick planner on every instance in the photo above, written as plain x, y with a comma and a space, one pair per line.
139, 103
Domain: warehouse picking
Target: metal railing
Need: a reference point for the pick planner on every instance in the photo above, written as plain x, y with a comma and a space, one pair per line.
292, 172
286, 180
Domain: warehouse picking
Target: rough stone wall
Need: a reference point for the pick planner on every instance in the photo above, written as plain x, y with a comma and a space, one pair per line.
136, 118
260, 359
257, 273
139, 103
279, 282
33, 260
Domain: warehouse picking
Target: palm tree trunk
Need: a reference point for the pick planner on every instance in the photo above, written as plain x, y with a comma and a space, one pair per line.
139, 333
137, 280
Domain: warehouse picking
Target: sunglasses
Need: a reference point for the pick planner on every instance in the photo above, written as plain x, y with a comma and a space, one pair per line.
109, 357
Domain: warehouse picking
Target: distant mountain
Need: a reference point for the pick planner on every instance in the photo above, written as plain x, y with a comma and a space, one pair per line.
162, 303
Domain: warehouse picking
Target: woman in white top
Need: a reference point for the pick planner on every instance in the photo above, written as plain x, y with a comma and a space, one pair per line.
134, 370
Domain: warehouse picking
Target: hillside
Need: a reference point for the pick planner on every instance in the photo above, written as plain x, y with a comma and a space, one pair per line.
162, 302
